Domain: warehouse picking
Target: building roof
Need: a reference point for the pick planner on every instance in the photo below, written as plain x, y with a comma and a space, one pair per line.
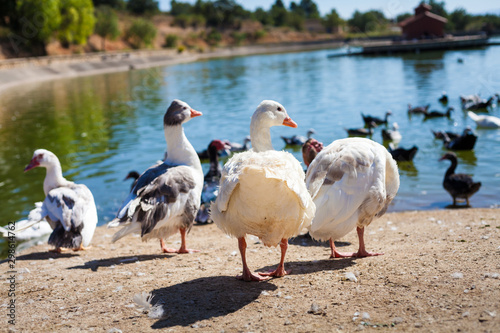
416, 18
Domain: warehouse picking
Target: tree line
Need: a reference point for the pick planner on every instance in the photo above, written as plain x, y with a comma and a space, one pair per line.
31, 24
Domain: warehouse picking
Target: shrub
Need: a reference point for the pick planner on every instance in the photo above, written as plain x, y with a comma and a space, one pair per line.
259, 34
107, 24
238, 37
214, 37
77, 22
171, 40
141, 32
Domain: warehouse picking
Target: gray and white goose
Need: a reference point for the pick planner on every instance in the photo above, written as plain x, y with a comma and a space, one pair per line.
68, 207
167, 196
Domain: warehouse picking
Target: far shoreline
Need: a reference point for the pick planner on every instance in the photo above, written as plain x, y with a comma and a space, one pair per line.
34, 70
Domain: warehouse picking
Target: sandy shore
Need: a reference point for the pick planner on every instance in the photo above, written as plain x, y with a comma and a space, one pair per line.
440, 273
16, 72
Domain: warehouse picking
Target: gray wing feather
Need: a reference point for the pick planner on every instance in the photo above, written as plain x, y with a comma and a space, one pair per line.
67, 205
151, 202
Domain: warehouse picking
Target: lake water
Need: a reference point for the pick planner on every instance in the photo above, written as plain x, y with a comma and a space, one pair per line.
101, 127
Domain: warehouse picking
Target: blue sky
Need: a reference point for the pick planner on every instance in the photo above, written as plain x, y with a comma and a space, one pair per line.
391, 8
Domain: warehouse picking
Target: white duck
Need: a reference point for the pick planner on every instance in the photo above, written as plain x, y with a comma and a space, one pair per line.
485, 121
68, 207
262, 191
352, 181
392, 134
166, 197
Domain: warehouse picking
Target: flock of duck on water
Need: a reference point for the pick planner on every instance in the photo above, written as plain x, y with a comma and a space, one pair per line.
259, 191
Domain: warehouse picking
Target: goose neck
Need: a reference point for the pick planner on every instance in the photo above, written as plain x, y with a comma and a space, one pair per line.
260, 137
179, 149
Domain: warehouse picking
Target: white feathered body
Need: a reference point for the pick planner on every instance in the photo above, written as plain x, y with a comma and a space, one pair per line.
263, 194
485, 121
352, 181
34, 226
71, 206
174, 211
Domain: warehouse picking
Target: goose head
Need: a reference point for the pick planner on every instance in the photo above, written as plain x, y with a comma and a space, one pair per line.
42, 158
310, 149
178, 113
449, 156
269, 113
310, 132
218, 145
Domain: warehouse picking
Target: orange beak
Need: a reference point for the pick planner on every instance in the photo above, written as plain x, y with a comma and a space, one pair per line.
289, 122
195, 113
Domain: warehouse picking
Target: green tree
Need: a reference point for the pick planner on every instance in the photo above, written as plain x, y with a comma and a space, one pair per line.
262, 16
116, 4
402, 17
279, 14
7, 9
141, 32
34, 23
438, 8
77, 22
369, 21
142, 6
460, 19
180, 8
107, 24
309, 8
332, 21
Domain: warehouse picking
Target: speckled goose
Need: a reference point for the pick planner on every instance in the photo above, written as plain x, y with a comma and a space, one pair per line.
68, 207
166, 197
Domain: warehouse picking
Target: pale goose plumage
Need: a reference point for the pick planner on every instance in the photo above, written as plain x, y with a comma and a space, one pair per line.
68, 207
167, 196
30, 228
485, 121
262, 191
352, 181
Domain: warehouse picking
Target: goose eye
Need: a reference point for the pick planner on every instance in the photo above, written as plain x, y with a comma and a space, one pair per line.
185, 108
279, 108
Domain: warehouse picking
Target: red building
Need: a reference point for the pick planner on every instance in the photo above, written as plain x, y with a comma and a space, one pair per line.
424, 24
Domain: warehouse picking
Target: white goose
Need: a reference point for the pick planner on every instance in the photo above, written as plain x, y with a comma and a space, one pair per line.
485, 121
68, 207
352, 181
167, 196
262, 191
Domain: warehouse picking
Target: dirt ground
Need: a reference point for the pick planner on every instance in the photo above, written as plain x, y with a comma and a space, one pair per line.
440, 273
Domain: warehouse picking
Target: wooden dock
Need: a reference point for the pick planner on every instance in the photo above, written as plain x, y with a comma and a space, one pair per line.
415, 46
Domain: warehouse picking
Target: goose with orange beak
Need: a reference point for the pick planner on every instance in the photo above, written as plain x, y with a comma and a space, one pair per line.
262, 192
167, 196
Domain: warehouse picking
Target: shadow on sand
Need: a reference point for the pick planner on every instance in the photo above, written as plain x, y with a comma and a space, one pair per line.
47, 255
95, 264
308, 267
186, 303
306, 240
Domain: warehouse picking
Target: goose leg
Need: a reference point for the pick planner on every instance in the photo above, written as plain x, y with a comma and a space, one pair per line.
361, 251
247, 275
336, 254
182, 249
59, 250
280, 270
81, 248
